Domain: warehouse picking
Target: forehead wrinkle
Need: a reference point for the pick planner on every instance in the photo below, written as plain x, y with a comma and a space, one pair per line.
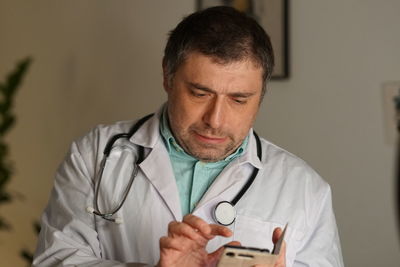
201, 87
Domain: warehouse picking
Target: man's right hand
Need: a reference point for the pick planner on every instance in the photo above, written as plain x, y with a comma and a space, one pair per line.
186, 243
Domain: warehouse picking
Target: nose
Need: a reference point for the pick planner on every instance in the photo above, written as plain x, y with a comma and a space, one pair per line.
214, 114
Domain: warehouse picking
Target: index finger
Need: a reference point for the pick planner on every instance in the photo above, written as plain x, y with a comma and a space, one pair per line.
220, 230
207, 230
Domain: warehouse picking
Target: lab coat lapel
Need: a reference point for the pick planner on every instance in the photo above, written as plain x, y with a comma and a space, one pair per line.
158, 170
157, 166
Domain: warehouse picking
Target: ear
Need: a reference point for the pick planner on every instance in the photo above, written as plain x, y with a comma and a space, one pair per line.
166, 82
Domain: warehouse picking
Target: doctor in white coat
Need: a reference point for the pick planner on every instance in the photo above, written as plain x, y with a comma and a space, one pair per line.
216, 66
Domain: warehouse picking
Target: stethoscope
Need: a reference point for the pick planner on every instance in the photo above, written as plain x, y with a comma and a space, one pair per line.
224, 212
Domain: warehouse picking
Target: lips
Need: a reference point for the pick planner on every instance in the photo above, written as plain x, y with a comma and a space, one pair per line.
210, 139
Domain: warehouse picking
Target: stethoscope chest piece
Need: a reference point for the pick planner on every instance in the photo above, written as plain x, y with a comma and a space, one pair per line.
224, 213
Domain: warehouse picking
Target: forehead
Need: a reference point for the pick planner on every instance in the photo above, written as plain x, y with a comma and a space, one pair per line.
195, 56
215, 72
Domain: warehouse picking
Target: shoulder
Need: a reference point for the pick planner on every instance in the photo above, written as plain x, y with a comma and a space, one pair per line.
291, 170
101, 133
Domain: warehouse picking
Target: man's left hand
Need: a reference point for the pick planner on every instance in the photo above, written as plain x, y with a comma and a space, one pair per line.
281, 262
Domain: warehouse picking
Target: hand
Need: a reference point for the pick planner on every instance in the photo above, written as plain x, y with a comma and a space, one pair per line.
186, 243
281, 262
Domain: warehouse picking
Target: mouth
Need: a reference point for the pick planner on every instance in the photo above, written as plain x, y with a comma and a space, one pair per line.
209, 139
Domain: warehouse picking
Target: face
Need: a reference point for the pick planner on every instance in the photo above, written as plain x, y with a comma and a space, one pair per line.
212, 106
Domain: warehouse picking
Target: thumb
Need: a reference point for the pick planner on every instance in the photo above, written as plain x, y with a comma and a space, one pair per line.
234, 243
276, 235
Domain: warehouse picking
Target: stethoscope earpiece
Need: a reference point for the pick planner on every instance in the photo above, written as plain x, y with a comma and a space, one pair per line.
90, 210
117, 220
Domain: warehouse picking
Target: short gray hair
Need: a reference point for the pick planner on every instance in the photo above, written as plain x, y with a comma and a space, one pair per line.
222, 33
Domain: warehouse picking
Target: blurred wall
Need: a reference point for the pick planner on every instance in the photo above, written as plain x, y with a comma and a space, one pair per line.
100, 61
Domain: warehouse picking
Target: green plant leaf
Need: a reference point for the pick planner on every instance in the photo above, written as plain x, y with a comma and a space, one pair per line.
8, 89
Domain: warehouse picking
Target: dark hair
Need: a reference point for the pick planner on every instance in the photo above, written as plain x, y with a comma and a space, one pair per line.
221, 32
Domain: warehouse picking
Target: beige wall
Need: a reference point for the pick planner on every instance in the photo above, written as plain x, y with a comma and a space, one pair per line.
99, 61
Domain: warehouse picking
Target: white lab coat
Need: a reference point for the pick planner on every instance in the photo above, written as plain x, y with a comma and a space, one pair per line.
286, 190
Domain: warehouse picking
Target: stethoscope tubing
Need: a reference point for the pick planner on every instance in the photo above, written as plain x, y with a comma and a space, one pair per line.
106, 154
224, 212
107, 150
253, 175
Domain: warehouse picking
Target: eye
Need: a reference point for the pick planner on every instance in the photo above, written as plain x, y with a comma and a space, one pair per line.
197, 93
240, 101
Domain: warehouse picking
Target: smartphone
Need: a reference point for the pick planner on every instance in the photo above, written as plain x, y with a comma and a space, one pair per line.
238, 256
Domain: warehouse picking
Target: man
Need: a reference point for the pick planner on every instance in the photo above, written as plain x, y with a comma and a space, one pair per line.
196, 152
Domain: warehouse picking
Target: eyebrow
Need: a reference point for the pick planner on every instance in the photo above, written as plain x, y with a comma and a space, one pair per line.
209, 90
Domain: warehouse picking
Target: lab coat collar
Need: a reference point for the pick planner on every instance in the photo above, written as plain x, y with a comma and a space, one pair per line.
149, 133
157, 159
250, 155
